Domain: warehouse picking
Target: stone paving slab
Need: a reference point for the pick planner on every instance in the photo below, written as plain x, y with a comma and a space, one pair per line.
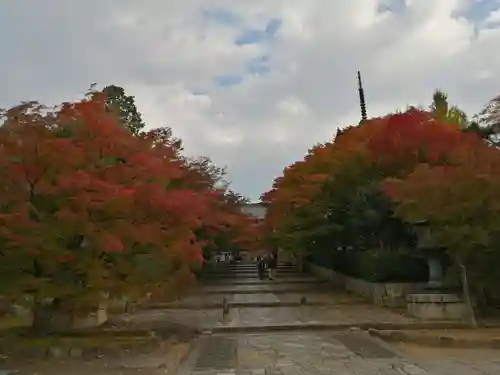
322, 353
453, 361
327, 298
257, 281
252, 275
307, 353
218, 353
317, 298
214, 301
157, 319
252, 269
341, 315
486, 338
264, 288
255, 298
322, 342
462, 367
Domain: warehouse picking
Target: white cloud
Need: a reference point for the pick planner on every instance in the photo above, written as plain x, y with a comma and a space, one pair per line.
494, 17
167, 55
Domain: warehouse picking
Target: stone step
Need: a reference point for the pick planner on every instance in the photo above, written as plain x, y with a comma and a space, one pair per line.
249, 269
218, 305
252, 275
313, 326
253, 265
265, 289
257, 281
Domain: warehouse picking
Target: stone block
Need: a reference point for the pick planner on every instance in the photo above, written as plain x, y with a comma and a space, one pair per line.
75, 352
437, 306
117, 305
383, 294
259, 371
397, 336
57, 352
495, 343
447, 341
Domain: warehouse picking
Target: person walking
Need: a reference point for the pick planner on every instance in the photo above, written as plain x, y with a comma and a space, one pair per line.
272, 264
260, 267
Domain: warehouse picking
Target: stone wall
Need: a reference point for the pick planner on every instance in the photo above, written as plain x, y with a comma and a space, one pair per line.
383, 294
437, 306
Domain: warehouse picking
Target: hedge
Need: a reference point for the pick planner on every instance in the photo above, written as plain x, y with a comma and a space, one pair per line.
374, 265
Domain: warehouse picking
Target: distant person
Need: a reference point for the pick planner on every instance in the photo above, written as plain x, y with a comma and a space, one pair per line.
260, 267
271, 265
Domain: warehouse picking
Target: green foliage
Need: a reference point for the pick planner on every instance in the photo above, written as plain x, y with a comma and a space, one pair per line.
124, 106
386, 266
446, 114
374, 265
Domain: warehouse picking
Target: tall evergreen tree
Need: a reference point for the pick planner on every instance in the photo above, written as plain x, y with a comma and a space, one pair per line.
125, 107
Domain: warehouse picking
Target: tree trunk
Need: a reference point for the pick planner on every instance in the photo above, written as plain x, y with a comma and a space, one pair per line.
60, 316
50, 317
468, 299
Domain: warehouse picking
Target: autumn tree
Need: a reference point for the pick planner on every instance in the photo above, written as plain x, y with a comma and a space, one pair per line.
460, 202
333, 199
234, 231
87, 206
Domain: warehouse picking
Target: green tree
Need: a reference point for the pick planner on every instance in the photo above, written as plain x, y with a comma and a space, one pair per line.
443, 112
124, 106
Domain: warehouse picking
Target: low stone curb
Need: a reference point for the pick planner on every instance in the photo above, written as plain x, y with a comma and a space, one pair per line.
258, 282
57, 352
440, 341
117, 332
260, 291
218, 305
77, 352
243, 274
336, 327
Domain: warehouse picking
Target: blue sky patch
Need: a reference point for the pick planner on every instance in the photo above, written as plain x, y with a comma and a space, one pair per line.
273, 27
221, 16
228, 80
480, 10
253, 36
259, 65
394, 6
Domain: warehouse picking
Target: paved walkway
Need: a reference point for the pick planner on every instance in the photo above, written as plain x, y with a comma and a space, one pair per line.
270, 329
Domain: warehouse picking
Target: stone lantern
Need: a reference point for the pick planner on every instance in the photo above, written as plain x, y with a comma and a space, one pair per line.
435, 302
433, 254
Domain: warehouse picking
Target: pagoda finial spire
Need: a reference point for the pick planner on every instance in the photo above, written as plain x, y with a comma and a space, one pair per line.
362, 101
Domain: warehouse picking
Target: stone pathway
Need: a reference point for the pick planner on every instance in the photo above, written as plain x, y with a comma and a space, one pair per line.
269, 331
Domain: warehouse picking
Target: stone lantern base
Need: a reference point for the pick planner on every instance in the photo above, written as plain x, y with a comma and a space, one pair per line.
437, 306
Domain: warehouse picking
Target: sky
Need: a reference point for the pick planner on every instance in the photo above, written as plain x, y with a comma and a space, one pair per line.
253, 84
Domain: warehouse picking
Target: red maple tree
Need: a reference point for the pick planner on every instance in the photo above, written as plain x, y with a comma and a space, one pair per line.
87, 206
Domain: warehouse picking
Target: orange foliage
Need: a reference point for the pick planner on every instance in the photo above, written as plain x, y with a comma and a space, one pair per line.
390, 146
79, 189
